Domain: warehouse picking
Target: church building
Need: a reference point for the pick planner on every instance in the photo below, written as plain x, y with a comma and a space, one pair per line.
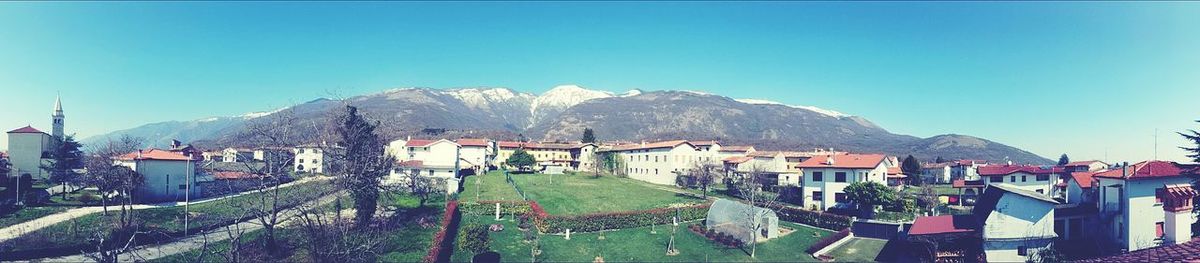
30, 148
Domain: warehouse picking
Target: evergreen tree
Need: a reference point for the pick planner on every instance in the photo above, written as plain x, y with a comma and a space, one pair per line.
588, 136
911, 167
939, 160
65, 158
520, 159
1194, 136
1063, 160
365, 163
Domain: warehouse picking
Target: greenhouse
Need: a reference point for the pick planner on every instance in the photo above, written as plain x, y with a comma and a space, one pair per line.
740, 220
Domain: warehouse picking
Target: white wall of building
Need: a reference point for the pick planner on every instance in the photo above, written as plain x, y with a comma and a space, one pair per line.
25, 153
829, 187
661, 165
1133, 226
310, 159
1026, 181
166, 180
1017, 221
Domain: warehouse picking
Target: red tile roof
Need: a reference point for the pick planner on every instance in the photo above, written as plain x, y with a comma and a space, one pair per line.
935, 165
738, 159
764, 154
1146, 170
969, 162
992, 170
894, 170
538, 145
154, 154
26, 129
650, 145
1084, 179
472, 142
846, 161
419, 143
1186, 252
944, 224
736, 148
1082, 163
411, 163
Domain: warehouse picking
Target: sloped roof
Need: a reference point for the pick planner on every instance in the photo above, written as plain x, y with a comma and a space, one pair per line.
943, 224
1186, 252
154, 154
472, 142
736, 148
419, 142
650, 145
848, 161
935, 165
26, 129
539, 145
1083, 163
737, 159
993, 170
704, 143
1146, 170
1084, 179
991, 196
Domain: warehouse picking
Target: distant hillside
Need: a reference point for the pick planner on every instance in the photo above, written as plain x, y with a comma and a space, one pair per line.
563, 112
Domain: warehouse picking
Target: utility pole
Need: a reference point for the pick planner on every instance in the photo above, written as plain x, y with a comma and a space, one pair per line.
187, 194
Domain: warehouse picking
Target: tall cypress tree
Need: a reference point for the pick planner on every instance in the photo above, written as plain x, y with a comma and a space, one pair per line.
365, 163
589, 136
1194, 136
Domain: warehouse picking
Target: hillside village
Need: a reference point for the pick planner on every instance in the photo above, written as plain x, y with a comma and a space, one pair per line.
439, 199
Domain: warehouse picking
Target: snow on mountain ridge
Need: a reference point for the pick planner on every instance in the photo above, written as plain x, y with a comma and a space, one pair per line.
830, 113
560, 98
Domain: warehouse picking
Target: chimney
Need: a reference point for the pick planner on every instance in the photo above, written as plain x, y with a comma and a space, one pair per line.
829, 159
139, 156
1177, 212
175, 143
643, 143
1124, 169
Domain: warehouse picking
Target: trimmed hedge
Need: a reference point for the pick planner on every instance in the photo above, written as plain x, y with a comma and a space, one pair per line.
489, 208
828, 221
440, 248
828, 240
616, 220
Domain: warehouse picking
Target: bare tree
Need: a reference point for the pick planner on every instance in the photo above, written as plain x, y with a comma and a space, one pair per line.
273, 135
331, 238
704, 174
110, 178
422, 187
750, 188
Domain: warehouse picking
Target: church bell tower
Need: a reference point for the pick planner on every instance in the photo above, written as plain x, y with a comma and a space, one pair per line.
57, 130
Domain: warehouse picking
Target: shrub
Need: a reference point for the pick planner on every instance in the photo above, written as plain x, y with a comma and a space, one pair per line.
489, 208
89, 198
828, 240
616, 220
449, 222
817, 219
473, 238
524, 222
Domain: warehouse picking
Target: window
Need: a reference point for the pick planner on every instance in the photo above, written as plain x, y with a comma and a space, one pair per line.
1158, 196
839, 197
1158, 229
1043, 177
184, 187
816, 196
818, 176
997, 179
1023, 178
314, 161
839, 177
1023, 251
301, 150
300, 161
1012, 179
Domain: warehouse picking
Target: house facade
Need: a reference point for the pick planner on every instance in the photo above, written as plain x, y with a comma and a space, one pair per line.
1131, 200
569, 156
966, 169
825, 176
237, 155
28, 150
168, 175
936, 173
660, 162
1014, 223
311, 158
1039, 179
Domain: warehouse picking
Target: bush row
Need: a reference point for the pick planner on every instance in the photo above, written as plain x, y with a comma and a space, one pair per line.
828, 240
439, 250
717, 236
616, 220
817, 219
489, 208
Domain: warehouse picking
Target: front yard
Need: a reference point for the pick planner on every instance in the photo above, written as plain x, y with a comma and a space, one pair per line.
573, 194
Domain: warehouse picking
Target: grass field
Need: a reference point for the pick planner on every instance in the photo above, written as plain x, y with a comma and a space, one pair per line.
582, 194
80, 230
28, 213
489, 186
858, 250
640, 245
404, 242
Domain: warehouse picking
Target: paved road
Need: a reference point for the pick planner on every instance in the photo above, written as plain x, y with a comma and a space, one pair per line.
196, 241
18, 230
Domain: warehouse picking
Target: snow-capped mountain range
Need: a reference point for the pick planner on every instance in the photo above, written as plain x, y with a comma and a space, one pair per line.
562, 112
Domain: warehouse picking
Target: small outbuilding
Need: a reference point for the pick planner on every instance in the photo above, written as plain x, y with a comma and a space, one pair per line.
742, 221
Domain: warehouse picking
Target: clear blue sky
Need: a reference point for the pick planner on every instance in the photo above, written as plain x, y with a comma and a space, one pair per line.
1084, 78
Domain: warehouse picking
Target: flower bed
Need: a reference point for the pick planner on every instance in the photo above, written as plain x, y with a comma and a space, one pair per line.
489, 207
617, 220
828, 240
438, 251
817, 219
716, 236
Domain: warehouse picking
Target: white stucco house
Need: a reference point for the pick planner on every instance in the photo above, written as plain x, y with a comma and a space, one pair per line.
1014, 223
312, 158
661, 162
28, 150
440, 159
1086, 166
826, 175
1039, 179
234, 155
1131, 200
966, 169
936, 173
168, 175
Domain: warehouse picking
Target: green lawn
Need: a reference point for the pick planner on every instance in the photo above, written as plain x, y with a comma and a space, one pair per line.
858, 250
28, 213
403, 242
582, 193
640, 245
489, 186
80, 230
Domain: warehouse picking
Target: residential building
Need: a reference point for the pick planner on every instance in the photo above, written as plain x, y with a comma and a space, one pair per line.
826, 175
1085, 166
1176, 232
1131, 199
312, 158
237, 155
1014, 223
215, 156
263, 153
660, 162
168, 175
936, 173
734, 150
572, 156
772, 165
1040, 179
439, 159
896, 178
966, 169
476, 154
